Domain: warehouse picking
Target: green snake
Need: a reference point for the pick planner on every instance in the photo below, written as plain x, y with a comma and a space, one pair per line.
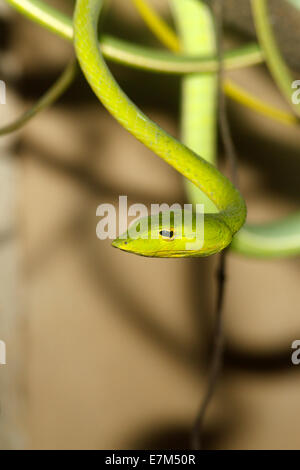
133, 55
199, 92
279, 238
218, 228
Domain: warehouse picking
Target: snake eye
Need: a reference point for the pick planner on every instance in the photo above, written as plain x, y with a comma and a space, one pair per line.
167, 234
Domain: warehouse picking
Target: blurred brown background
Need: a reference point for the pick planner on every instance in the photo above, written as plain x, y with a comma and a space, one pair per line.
109, 350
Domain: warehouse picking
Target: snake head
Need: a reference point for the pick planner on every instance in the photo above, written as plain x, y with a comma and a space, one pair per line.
165, 236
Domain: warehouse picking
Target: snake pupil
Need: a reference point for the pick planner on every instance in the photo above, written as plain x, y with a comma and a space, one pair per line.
167, 233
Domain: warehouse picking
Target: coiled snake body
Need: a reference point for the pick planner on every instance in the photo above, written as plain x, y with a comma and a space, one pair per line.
218, 228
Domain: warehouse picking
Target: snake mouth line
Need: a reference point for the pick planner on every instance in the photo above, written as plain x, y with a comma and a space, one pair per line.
162, 254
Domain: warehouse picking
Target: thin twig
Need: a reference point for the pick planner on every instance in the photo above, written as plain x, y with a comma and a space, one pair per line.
230, 151
218, 336
51, 95
216, 359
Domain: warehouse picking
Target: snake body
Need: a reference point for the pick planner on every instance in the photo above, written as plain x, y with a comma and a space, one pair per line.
133, 55
274, 239
199, 91
218, 228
